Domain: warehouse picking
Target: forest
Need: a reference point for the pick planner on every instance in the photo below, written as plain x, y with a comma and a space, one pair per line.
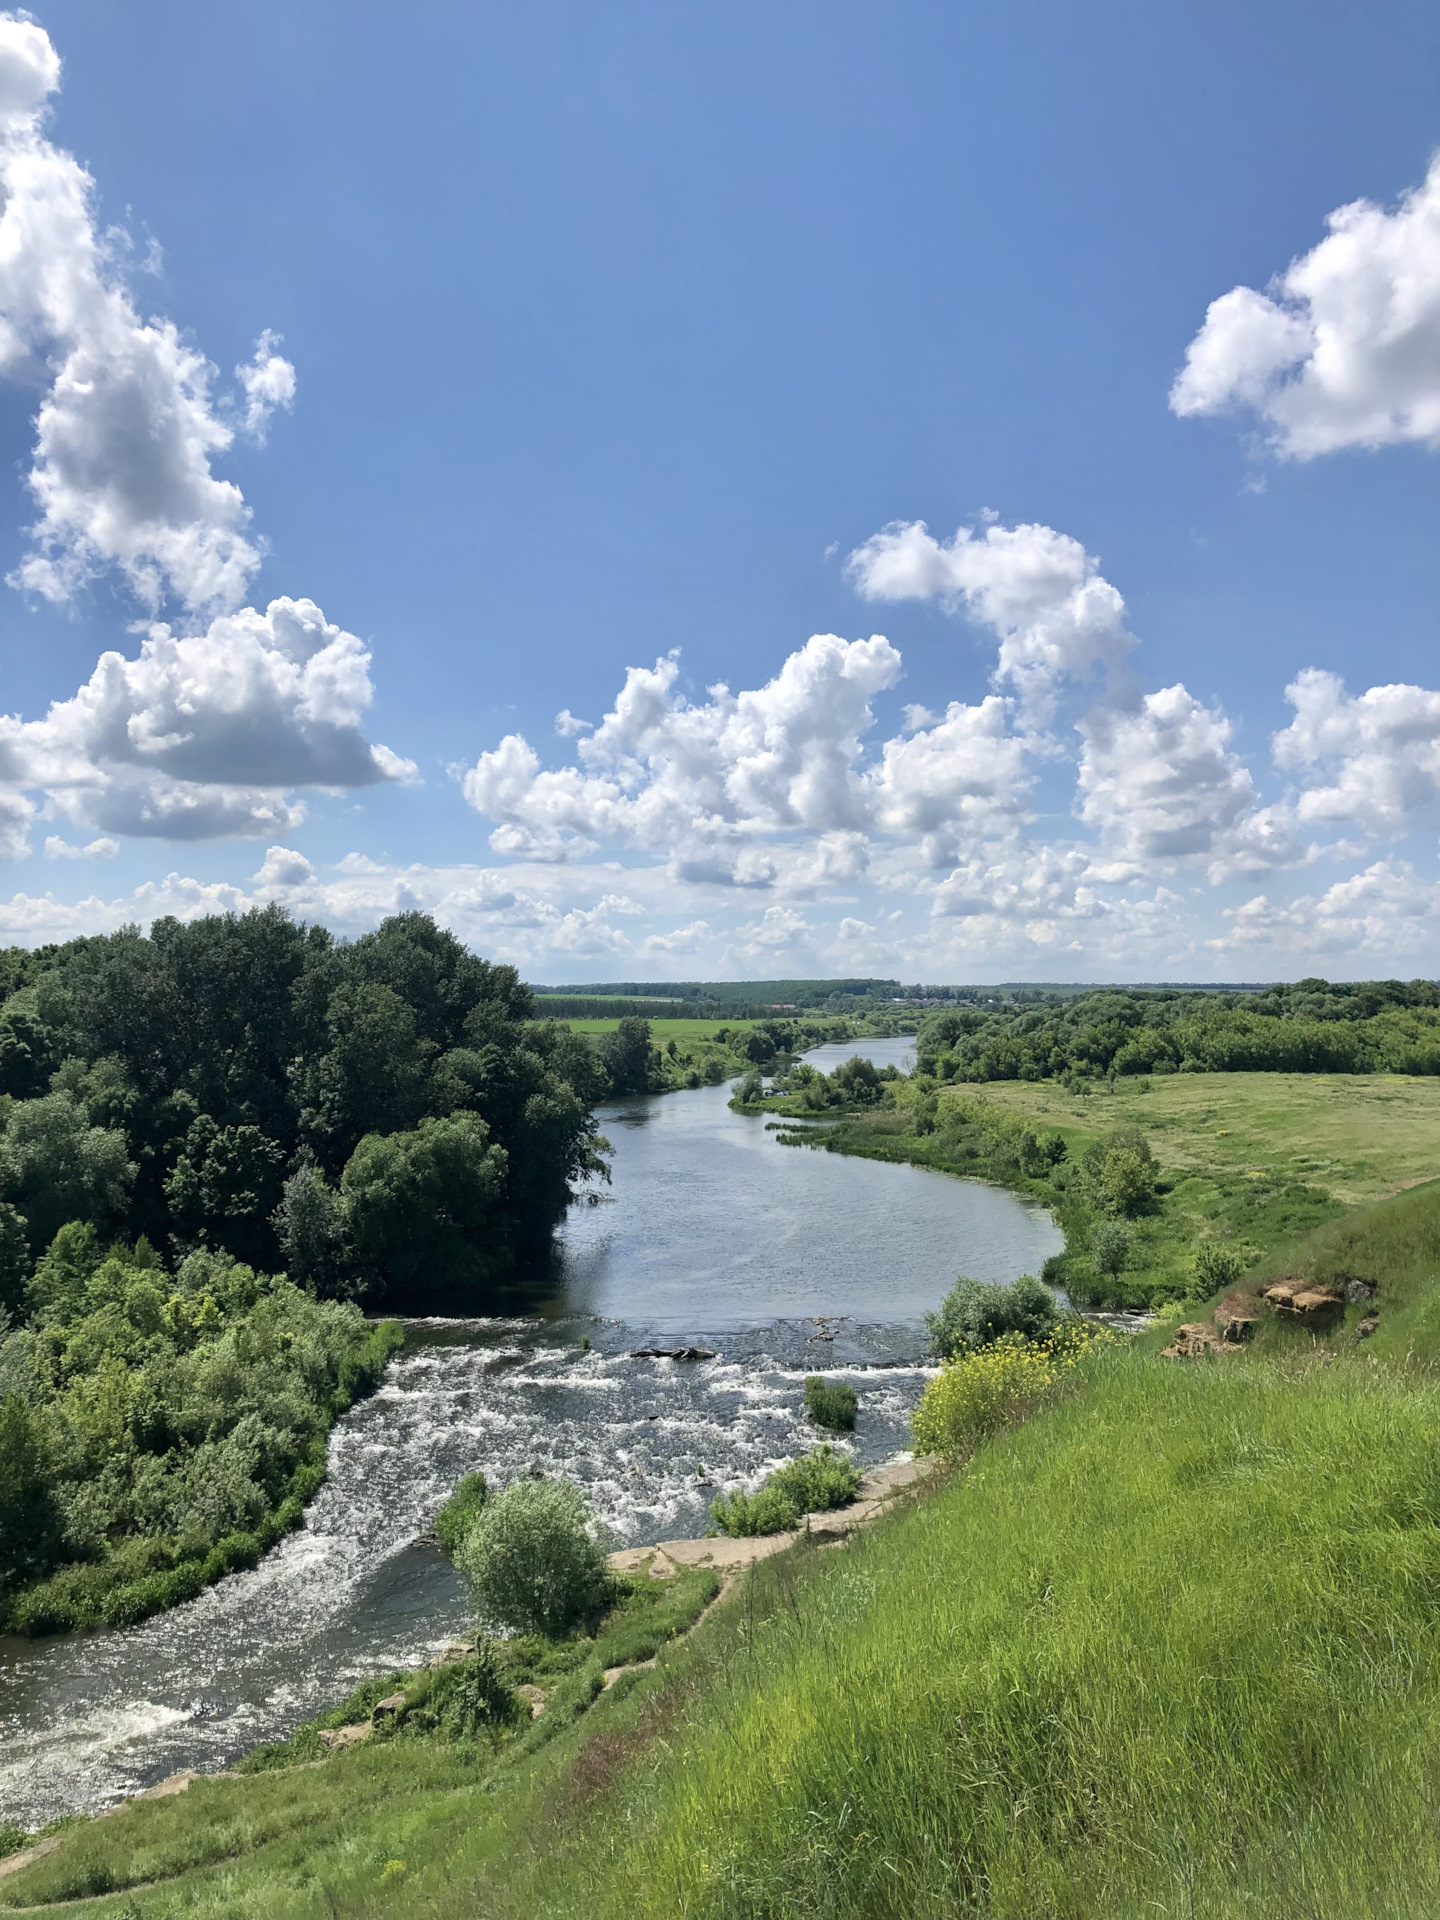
1312, 1026
381, 1119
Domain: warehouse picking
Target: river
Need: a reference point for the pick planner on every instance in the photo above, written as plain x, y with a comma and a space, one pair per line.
783, 1261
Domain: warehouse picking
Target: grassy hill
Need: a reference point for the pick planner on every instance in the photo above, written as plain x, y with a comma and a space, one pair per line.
1167, 1649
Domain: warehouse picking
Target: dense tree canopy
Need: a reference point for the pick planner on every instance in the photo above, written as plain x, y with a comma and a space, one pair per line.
382, 1116
1314, 1026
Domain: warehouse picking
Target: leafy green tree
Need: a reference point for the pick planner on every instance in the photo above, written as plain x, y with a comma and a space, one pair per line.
29, 1521
14, 1258
54, 1166
373, 1076
312, 1224
426, 1212
27, 1046
630, 1061
974, 1313
225, 1186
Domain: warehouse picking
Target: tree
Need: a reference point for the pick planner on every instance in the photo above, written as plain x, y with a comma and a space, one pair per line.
54, 1166
225, 1186
426, 1211
14, 1258
630, 1060
312, 1224
29, 1524
373, 1076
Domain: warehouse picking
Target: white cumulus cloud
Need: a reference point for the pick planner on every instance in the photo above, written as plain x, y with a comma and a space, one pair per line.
127, 424
1162, 786
1372, 760
1057, 616
207, 733
1343, 349
705, 784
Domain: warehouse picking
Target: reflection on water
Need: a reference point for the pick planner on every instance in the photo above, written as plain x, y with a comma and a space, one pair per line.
712, 1233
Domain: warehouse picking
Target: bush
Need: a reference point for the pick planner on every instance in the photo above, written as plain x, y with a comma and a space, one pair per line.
1217, 1266
816, 1482
973, 1314
532, 1562
980, 1392
831, 1403
995, 1386
1110, 1248
459, 1512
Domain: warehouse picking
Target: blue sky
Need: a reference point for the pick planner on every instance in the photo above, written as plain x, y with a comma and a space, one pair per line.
596, 333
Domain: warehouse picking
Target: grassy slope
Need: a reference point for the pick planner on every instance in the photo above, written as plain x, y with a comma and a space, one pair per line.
1360, 1136
1168, 1650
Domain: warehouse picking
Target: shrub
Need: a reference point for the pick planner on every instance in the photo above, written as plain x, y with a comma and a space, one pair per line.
1217, 1266
532, 1562
831, 1403
1110, 1248
459, 1512
973, 1314
980, 1392
816, 1482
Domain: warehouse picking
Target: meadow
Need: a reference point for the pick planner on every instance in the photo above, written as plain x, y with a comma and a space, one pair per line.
663, 1030
1358, 1135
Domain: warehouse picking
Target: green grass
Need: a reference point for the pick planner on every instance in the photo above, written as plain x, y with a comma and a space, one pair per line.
663, 1030
1359, 1136
1168, 1649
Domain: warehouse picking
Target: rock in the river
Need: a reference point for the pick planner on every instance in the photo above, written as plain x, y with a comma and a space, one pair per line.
672, 1353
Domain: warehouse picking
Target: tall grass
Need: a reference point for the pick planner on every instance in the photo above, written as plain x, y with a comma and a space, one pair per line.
1170, 1648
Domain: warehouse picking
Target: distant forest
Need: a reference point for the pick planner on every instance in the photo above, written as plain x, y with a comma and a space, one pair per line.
1314, 1026
382, 1118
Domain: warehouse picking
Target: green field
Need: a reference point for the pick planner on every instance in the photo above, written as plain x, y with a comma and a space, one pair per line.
663, 1030
1360, 1136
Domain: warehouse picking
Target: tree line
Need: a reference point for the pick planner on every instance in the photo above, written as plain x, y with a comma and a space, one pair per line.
382, 1119
1312, 1026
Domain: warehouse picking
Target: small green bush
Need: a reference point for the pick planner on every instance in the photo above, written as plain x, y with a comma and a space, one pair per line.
532, 1562
458, 1514
831, 1403
1110, 1248
1217, 1266
816, 1482
974, 1314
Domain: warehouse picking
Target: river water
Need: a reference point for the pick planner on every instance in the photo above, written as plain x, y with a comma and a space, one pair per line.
783, 1261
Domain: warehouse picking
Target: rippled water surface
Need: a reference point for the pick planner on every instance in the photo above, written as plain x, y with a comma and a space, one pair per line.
784, 1261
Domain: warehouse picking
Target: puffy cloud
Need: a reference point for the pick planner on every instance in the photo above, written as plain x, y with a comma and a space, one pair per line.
1387, 912
16, 813
1159, 781
1373, 760
268, 381
204, 734
704, 784
127, 425
58, 849
1344, 348
1056, 615
953, 782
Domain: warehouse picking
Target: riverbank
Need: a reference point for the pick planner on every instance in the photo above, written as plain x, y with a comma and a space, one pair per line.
1245, 1162
1084, 1676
